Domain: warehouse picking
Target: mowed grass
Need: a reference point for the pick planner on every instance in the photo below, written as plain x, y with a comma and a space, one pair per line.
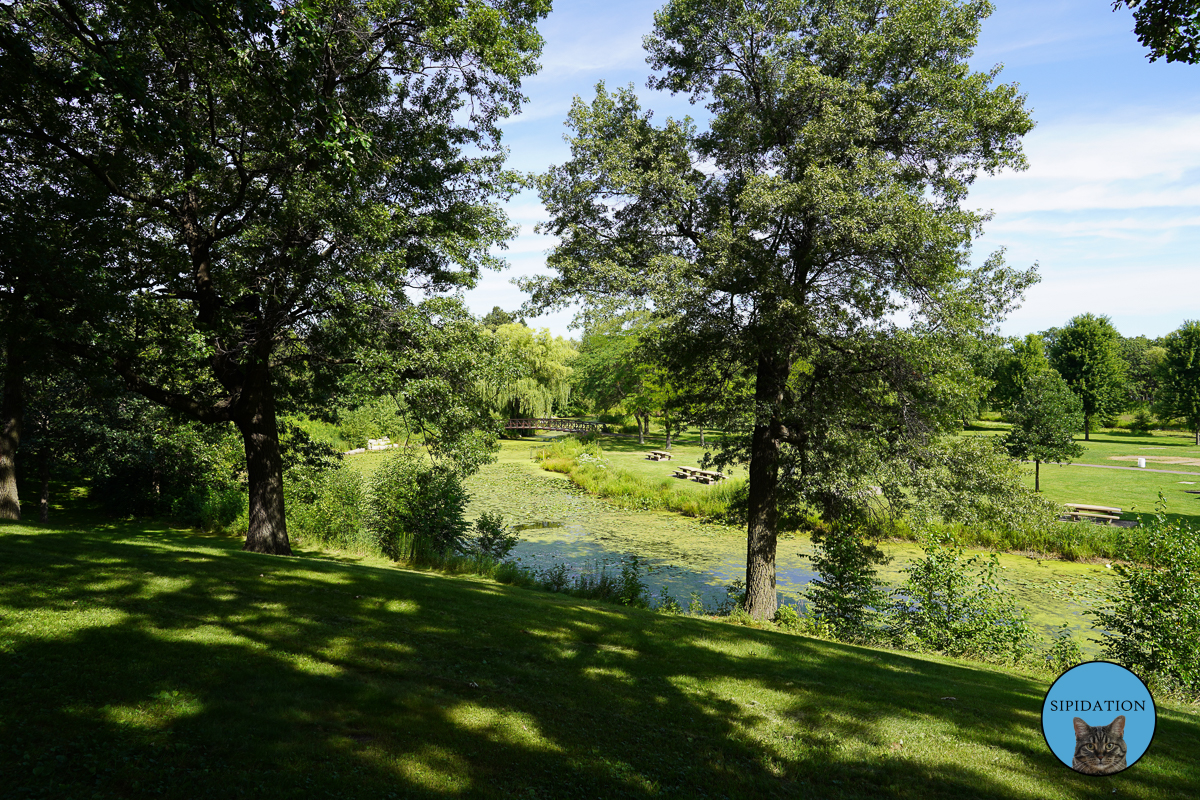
1135, 491
138, 661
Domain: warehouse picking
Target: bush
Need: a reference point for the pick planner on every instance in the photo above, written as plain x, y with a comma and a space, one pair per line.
1152, 619
956, 607
416, 509
327, 508
1063, 652
492, 538
847, 594
1142, 422
210, 508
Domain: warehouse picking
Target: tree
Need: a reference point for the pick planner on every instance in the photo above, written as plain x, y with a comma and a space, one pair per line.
823, 198
282, 170
1044, 422
1179, 391
536, 372
1170, 28
1024, 359
52, 222
1142, 359
1087, 354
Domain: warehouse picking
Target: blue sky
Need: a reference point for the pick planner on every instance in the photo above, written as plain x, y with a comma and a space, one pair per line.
1109, 207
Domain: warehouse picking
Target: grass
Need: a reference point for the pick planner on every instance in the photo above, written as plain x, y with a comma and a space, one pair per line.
622, 473
1127, 489
142, 661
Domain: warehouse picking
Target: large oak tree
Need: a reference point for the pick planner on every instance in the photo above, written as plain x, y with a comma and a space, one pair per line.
282, 170
823, 200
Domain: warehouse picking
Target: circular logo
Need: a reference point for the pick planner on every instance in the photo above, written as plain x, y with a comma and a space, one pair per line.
1098, 718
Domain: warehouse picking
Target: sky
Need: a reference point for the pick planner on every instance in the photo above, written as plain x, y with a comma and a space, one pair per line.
1109, 208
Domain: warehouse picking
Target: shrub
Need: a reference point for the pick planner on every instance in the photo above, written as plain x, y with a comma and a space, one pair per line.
1063, 652
328, 508
1142, 422
956, 607
416, 509
1152, 619
492, 538
210, 508
847, 593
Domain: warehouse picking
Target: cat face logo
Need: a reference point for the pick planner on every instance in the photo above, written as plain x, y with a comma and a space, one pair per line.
1099, 749
1080, 723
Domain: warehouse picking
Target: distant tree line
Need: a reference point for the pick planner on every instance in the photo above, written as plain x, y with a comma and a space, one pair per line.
1158, 380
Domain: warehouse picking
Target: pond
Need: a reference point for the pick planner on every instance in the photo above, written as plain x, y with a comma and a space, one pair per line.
558, 523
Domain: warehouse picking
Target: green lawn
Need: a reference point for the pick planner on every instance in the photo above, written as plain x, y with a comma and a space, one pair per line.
1126, 489
138, 661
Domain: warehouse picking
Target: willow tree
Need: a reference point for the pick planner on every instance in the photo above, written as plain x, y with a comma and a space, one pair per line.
824, 199
535, 371
284, 168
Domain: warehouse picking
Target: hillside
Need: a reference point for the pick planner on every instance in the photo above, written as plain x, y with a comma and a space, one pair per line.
138, 661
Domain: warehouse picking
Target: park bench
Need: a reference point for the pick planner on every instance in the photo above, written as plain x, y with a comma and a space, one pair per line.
659, 455
700, 475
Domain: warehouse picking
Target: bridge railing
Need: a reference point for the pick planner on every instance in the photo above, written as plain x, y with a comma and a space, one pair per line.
552, 424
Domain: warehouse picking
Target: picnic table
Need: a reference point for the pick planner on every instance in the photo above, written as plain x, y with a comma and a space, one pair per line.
1078, 511
659, 455
701, 475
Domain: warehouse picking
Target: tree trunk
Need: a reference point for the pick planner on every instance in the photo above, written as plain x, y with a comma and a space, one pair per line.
668, 425
1087, 427
43, 459
12, 412
268, 527
702, 435
1037, 477
762, 531
641, 429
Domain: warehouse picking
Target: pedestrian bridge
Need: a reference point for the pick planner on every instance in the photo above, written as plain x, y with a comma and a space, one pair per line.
553, 424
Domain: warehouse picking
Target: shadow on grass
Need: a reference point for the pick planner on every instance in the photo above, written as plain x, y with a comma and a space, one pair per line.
145, 662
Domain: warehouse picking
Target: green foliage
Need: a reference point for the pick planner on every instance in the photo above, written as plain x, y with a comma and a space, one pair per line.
492, 538
965, 480
1087, 354
1169, 28
1063, 653
594, 582
1179, 376
426, 372
281, 175
326, 509
416, 508
1142, 422
847, 594
1024, 359
374, 419
588, 468
535, 373
1151, 620
1045, 420
957, 607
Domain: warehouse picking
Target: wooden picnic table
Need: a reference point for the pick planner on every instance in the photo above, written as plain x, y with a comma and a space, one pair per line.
1086, 507
701, 475
1078, 511
659, 455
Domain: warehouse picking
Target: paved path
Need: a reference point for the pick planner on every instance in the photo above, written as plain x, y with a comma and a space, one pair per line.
1134, 469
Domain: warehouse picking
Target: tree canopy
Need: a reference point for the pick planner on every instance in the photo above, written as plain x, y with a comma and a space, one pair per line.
1087, 354
1169, 28
1045, 419
1179, 376
823, 200
279, 171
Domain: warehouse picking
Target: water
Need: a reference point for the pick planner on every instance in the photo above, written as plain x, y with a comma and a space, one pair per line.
560, 524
